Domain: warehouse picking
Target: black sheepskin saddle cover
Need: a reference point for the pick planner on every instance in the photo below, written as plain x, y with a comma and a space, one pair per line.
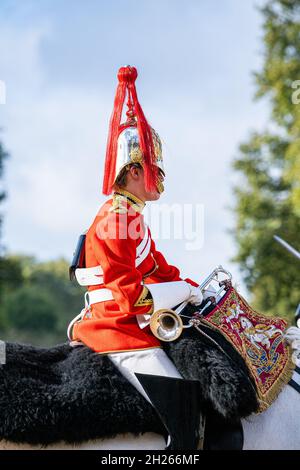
74, 394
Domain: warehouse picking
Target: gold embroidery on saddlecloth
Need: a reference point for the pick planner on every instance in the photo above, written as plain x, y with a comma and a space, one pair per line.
259, 340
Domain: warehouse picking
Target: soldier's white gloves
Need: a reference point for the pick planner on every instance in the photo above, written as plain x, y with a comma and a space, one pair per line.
168, 294
210, 291
196, 297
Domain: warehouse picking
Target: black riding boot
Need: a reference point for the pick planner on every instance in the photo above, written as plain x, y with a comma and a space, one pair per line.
177, 402
221, 434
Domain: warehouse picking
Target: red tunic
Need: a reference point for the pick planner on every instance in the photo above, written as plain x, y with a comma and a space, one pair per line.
112, 242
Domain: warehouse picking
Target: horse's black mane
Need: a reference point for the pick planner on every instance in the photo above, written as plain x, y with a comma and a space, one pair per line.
74, 394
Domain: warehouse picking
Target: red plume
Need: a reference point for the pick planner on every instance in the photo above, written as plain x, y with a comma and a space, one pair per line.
127, 76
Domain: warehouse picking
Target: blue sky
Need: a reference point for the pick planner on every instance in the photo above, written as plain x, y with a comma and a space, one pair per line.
59, 61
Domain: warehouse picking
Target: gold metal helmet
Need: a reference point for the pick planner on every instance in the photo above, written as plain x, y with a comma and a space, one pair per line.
129, 150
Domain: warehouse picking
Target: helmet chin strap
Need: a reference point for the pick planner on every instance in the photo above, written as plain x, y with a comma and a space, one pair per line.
160, 187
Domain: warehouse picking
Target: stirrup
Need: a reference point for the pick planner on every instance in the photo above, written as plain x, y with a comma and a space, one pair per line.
222, 434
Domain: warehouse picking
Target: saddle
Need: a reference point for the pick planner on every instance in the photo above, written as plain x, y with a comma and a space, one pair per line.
67, 394
74, 394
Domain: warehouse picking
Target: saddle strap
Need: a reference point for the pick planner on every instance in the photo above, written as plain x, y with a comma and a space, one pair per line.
295, 380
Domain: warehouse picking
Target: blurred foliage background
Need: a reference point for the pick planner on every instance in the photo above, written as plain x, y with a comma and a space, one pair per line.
268, 192
37, 300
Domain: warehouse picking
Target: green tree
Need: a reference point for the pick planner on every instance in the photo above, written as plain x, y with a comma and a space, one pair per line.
31, 309
268, 193
3, 156
38, 300
52, 276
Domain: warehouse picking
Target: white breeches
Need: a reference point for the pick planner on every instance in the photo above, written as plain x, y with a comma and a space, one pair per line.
150, 361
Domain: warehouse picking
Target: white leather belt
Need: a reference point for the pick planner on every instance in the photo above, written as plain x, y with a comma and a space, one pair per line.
94, 276
89, 276
90, 298
144, 253
98, 295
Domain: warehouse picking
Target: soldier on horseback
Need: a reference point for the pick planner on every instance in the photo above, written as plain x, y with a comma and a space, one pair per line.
128, 279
